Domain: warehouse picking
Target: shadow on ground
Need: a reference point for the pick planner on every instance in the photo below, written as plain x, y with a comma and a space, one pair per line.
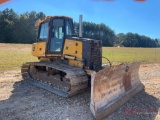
30, 102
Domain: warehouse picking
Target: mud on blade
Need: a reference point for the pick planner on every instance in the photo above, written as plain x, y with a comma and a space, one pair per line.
112, 87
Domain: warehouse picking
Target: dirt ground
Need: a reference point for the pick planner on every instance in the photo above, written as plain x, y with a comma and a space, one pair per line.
21, 101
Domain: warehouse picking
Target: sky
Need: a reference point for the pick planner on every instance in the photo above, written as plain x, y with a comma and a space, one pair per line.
122, 16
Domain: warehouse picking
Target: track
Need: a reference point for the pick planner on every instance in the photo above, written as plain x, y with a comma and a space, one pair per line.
22, 101
56, 77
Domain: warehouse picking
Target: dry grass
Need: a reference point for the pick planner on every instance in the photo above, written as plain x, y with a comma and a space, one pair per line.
12, 56
145, 55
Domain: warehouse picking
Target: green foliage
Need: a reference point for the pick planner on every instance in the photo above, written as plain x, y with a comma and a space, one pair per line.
98, 32
136, 40
19, 28
16, 28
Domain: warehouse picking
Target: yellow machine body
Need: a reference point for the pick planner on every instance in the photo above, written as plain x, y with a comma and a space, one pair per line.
66, 64
73, 48
72, 51
38, 49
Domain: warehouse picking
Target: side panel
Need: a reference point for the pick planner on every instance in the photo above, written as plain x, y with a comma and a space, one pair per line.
38, 49
73, 48
112, 87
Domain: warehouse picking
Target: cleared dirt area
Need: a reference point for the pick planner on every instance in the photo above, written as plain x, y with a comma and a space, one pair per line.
21, 101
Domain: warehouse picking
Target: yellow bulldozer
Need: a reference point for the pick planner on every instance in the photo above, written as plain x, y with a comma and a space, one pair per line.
67, 63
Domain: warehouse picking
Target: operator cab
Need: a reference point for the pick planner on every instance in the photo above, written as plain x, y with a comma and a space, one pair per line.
54, 31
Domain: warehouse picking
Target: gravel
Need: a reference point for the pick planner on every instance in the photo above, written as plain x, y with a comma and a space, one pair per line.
22, 101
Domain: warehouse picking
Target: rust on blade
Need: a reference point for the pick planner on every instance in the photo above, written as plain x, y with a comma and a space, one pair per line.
112, 86
127, 81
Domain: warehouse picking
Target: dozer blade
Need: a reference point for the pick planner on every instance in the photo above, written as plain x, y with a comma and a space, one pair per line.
112, 87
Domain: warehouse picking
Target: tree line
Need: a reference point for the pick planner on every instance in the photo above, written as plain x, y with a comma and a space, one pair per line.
109, 38
136, 40
98, 32
20, 28
15, 28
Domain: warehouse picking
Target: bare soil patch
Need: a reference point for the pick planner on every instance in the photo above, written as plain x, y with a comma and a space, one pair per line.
21, 101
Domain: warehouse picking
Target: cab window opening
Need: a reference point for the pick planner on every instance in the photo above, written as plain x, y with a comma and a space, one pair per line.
43, 31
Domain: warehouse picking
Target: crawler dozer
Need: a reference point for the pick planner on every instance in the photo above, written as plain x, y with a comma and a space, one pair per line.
68, 62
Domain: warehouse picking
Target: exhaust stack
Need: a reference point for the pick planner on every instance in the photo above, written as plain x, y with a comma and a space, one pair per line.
80, 25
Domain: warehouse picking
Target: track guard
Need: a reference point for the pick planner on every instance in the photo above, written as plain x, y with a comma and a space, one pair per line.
112, 87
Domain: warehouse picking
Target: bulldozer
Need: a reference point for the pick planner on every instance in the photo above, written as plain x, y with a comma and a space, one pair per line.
68, 63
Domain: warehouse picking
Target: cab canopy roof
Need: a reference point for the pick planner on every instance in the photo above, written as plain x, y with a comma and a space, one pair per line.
39, 21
